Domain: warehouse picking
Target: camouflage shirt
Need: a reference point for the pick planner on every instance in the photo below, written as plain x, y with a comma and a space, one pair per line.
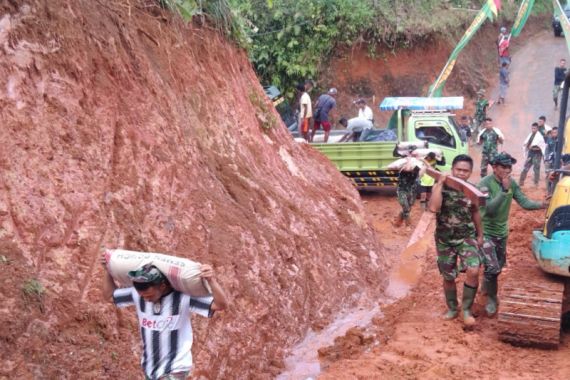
407, 181
454, 220
481, 109
490, 140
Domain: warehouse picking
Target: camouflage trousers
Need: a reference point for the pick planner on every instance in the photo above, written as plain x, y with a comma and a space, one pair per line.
549, 184
447, 255
494, 255
533, 158
406, 199
486, 159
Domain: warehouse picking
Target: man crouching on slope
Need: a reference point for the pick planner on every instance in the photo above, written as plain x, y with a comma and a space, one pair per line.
458, 235
164, 318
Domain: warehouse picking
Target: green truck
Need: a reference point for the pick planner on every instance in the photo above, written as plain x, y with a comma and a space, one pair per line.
413, 120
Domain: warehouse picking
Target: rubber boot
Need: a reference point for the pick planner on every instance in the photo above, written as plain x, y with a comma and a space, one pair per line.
469, 294
451, 301
492, 300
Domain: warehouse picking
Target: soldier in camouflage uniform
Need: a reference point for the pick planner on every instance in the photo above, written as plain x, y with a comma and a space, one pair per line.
457, 236
551, 143
481, 106
490, 139
534, 147
407, 191
501, 190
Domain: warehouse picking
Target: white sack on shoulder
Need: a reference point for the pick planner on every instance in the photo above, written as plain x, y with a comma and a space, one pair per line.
183, 274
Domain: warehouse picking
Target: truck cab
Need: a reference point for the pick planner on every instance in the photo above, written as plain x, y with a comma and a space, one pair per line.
413, 119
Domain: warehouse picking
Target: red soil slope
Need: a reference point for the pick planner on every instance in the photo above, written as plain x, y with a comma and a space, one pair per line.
121, 127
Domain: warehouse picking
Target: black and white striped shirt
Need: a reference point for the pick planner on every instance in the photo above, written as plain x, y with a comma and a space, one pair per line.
166, 332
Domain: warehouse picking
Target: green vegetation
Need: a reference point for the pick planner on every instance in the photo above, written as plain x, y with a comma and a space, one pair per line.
291, 40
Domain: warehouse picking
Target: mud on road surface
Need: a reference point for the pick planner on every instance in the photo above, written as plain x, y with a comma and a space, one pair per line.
411, 340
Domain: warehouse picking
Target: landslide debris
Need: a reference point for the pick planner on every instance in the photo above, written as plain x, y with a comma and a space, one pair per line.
124, 127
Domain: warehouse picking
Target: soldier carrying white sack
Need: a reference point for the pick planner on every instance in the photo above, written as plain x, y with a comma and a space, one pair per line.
164, 317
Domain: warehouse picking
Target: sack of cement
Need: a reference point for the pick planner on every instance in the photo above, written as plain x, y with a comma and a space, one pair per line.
183, 274
408, 164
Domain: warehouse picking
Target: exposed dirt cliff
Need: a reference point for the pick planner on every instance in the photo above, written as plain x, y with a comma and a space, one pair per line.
122, 127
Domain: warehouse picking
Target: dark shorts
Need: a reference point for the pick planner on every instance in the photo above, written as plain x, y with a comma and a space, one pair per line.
425, 189
325, 124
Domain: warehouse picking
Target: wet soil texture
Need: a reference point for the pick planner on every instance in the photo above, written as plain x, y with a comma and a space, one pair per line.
411, 340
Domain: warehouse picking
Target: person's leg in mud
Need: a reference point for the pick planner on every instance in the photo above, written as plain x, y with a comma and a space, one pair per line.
447, 265
484, 164
404, 201
468, 253
493, 255
526, 168
536, 160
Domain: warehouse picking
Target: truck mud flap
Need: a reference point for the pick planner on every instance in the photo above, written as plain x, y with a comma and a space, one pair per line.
376, 178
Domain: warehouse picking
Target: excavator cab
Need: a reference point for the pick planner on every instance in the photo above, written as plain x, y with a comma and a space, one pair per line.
532, 309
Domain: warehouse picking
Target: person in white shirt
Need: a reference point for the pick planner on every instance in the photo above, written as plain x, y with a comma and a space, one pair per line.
364, 112
534, 147
164, 317
306, 111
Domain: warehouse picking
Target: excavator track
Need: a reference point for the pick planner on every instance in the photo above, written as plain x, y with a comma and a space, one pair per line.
531, 307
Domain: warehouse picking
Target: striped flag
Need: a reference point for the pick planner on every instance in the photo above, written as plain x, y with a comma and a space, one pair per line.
494, 6
436, 88
522, 15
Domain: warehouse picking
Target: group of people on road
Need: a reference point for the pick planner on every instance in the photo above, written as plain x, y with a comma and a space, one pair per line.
469, 237
321, 115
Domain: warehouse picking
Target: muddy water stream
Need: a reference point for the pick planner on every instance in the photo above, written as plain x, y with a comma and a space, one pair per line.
303, 362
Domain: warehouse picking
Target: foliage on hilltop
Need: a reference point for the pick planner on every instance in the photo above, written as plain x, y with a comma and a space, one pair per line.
291, 40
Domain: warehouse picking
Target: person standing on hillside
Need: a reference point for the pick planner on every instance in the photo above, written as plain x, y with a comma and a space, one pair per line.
503, 43
482, 105
551, 146
164, 317
490, 138
502, 189
534, 147
323, 111
458, 235
306, 110
503, 82
364, 112
559, 75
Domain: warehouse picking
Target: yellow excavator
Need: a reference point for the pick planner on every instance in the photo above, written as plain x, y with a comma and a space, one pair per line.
533, 308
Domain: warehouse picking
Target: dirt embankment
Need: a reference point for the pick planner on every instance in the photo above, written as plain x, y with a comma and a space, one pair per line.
410, 71
122, 127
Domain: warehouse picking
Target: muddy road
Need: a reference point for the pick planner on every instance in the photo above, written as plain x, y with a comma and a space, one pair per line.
410, 340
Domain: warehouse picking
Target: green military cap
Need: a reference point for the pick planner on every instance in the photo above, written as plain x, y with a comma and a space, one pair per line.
504, 159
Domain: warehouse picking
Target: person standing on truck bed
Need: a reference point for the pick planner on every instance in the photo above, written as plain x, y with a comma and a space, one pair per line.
502, 189
306, 110
559, 75
458, 235
490, 138
323, 111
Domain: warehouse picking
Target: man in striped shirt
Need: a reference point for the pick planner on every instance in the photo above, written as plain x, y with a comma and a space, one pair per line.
164, 318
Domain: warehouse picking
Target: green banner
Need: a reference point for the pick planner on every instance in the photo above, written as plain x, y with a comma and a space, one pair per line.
564, 22
522, 16
437, 87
